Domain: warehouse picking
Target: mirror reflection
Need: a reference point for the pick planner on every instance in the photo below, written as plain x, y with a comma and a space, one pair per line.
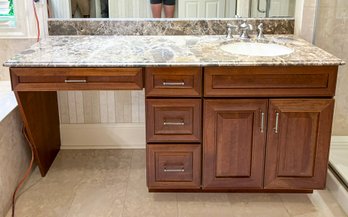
170, 8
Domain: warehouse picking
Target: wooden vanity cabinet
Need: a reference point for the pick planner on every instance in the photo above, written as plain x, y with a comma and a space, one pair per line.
264, 129
294, 156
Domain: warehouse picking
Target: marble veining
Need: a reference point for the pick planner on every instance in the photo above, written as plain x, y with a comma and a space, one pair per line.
163, 26
141, 51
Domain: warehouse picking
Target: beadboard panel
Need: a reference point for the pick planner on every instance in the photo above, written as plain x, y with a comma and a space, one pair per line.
94, 107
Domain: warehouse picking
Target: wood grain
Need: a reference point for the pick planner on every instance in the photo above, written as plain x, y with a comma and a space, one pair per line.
191, 79
233, 144
161, 111
39, 112
296, 81
52, 79
297, 156
185, 157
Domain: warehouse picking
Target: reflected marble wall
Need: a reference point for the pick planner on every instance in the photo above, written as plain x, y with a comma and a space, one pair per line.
14, 158
332, 35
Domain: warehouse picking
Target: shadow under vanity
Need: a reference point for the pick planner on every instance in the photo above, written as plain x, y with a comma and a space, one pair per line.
215, 121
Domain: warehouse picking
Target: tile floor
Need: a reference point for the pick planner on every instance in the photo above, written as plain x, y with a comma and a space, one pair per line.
107, 183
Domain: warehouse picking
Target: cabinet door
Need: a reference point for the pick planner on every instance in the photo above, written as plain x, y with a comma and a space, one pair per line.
298, 141
201, 8
234, 143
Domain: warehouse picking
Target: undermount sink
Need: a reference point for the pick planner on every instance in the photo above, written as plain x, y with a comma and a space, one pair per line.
256, 49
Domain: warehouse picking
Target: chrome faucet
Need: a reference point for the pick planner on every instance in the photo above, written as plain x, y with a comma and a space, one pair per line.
245, 28
260, 34
230, 28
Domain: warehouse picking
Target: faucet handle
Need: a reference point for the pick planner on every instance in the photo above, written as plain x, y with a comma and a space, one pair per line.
230, 28
260, 34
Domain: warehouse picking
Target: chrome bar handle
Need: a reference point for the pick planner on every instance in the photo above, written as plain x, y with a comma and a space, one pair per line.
276, 130
165, 123
76, 81
173, 170
165, 83
262, 128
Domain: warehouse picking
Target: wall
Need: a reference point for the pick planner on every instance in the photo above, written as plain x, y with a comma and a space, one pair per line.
99, 107
332, 35
14, 158
9, 47
305, 15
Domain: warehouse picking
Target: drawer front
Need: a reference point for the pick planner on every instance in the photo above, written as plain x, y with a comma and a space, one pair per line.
27, 79
270, 81
173, 82
173, 120
174, 166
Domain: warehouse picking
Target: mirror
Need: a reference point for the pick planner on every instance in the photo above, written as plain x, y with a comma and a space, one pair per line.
170, 8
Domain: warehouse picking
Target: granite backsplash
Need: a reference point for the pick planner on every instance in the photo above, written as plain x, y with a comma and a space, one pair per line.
163, 26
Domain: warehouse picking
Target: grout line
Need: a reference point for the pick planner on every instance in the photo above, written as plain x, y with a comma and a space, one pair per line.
177, 205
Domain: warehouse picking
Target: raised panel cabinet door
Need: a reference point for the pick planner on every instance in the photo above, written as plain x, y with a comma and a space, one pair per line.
234, 143
299, 132
201, 8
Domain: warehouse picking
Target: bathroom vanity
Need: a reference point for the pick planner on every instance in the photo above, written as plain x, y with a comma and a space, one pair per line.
215, 121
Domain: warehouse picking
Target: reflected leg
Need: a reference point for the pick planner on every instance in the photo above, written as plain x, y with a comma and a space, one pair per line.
169, 11
104, 5
156, 10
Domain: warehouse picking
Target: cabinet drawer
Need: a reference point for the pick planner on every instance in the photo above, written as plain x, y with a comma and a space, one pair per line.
27, 79
173, 82
270, 81
174, 166
173, 120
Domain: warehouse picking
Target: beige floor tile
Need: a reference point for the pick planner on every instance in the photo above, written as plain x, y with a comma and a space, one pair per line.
139, 202
259, 205
205, 204
112, 183
46, 199
94, 200
326, 204
298, 204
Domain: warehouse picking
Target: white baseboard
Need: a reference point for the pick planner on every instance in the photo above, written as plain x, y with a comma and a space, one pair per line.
103, 136
338, 191
339, 142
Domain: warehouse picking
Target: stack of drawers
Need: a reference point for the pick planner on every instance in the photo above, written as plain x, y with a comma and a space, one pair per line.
173, 127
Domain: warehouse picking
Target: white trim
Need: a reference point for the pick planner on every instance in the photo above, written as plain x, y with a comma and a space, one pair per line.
339, 142
103, 136
337, 191
25, 20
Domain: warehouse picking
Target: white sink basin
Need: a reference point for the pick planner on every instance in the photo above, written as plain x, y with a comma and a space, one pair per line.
256, 49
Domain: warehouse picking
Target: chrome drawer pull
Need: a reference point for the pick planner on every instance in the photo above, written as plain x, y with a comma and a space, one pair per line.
262, 122
75, 81
165, 123
173, 170
173, 83
276, 130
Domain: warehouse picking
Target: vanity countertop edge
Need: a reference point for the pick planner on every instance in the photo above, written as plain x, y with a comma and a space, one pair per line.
162, 51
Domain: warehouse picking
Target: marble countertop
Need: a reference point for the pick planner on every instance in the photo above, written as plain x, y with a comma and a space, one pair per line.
141, 51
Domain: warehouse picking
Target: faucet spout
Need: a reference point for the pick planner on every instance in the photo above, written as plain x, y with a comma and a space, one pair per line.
245, 28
